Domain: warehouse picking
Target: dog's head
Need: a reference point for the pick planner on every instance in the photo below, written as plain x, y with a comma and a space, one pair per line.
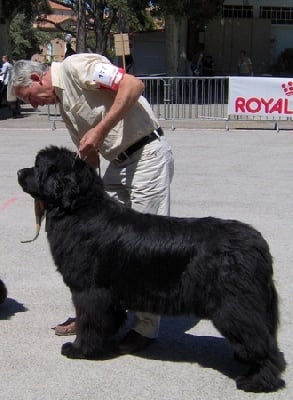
60, 179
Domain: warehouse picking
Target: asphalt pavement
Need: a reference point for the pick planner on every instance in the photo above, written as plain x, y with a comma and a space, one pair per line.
243, 174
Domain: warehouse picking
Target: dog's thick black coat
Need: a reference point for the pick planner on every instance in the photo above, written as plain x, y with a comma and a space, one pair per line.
114, 258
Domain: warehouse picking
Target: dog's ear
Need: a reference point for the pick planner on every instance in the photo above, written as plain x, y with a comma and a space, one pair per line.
65, 190
78, 187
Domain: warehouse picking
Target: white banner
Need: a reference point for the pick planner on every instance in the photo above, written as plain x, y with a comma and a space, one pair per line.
270, 97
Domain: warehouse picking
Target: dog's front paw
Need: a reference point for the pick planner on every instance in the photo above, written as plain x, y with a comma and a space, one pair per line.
69, 350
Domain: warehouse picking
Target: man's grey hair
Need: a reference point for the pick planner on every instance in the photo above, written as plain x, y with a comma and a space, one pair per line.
22, 70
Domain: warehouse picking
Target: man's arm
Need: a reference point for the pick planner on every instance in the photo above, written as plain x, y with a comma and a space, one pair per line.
129, 90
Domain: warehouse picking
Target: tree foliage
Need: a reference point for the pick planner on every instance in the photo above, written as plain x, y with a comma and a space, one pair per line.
198, 11
25, 40
97, 19
9, 9
103, 17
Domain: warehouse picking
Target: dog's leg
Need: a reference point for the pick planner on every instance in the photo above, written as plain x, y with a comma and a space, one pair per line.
250, 334
96, 320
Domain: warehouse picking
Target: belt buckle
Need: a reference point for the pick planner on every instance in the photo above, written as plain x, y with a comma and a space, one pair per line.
122, 156
155, 131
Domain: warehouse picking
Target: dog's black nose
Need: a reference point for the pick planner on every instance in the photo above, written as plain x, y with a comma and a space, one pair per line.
19, 173
22, 174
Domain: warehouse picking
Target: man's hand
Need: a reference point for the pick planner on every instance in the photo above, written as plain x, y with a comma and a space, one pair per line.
89, 147
90, 143
92, 158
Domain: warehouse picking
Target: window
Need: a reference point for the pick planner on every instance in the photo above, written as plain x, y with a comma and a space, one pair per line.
277, 15
237, 11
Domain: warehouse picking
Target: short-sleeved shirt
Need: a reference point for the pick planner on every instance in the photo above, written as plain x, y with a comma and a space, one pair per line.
83, 104
6, 71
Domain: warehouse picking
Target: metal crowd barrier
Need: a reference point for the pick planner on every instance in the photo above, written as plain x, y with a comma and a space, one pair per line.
54, 115
186, 98
178, 98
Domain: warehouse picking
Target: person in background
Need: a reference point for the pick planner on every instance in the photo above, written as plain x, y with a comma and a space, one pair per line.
196, 64
208, 66
14, 106
244, 65
69, 50
129, 61
5, 75
105, 113
6, 70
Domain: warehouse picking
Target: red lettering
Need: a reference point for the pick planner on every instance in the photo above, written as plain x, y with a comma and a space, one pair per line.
286, 107
250, 105
266, 103
255, 105
240, 104
277, 107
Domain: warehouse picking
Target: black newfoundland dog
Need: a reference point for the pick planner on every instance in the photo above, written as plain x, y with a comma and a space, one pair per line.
114, 258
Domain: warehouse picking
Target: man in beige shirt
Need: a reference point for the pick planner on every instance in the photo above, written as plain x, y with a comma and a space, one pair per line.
104, 111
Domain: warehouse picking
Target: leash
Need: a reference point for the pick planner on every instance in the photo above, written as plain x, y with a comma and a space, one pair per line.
40, 208
40, 215
98, 168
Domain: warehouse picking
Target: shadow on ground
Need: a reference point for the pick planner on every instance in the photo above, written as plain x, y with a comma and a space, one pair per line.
176, 345
11, 307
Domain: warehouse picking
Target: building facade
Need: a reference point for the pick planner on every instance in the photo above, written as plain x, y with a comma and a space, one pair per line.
264, 28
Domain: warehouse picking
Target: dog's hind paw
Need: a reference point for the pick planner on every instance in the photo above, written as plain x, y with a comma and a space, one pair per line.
250, 383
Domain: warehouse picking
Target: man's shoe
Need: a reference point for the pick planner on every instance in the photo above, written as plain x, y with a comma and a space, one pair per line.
67, 328
133, 342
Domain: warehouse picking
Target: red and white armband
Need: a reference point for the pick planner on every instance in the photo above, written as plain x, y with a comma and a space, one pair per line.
108, 76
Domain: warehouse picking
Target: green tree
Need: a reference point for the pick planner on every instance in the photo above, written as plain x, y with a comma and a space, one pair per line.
98, 18
25, 40
8, 10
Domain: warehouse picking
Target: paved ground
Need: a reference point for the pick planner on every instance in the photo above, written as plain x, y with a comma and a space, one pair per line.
243, 174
